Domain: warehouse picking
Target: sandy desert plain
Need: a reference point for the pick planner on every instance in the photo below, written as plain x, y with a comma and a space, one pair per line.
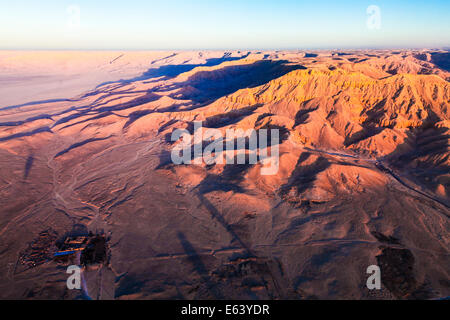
363, 179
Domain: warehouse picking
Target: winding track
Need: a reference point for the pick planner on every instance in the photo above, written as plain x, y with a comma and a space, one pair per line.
378, 164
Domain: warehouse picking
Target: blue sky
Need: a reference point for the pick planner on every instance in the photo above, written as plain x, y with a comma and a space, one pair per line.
221, 24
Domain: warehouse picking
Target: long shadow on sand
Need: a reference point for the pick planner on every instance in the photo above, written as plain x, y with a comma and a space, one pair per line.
28, 166
201, 88
173, 70
195, 259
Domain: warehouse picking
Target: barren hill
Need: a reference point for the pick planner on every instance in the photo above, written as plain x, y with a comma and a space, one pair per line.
363, 178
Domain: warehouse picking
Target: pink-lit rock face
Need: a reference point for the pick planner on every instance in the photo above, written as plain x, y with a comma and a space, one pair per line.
363, 173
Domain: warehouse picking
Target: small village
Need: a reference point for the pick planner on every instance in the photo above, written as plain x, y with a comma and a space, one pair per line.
85, 250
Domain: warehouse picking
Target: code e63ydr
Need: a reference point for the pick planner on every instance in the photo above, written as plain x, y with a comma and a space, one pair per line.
243, 309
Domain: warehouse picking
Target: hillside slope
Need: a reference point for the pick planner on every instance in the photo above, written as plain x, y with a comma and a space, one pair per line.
363, 179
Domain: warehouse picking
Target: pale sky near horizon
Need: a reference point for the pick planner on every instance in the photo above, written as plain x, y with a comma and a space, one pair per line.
230, 24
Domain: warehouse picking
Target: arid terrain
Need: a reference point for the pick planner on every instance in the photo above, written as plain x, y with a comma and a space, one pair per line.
364, 179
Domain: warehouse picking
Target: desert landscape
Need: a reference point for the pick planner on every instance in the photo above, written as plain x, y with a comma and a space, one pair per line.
363, 179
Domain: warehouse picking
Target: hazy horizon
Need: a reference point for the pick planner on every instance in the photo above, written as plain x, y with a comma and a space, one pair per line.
231, 25
325, 49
